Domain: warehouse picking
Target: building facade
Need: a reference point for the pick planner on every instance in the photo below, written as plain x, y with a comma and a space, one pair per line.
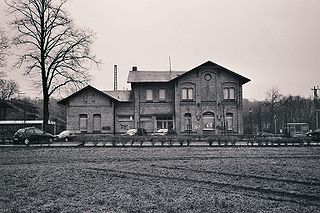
204, 100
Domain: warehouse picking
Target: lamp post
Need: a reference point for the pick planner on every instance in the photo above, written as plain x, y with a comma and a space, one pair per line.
275, 124
250, 113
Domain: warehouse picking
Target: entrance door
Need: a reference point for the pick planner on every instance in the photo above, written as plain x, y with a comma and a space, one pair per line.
97, 123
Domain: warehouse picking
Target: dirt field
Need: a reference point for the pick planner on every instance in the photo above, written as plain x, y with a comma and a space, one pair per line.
196, 179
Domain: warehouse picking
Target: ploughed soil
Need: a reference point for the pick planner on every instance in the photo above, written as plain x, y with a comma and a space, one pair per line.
176, 179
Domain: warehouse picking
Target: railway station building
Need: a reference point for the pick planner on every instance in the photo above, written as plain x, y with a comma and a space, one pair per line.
204, 100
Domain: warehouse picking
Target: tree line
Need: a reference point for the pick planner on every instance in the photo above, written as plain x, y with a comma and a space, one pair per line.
271, 114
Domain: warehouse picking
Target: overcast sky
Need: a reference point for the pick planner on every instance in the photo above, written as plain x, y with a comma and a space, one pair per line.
271, 42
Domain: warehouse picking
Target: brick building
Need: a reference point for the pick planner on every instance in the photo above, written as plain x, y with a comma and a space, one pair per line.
205, 100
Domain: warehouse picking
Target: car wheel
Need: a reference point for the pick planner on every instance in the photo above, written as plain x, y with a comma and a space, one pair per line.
26, 141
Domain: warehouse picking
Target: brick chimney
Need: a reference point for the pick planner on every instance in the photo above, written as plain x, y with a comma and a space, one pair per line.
134, 68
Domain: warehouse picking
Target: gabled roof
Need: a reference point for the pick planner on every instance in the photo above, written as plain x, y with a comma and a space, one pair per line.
121, 95
64, 101
212, 64
152, 76
166, 76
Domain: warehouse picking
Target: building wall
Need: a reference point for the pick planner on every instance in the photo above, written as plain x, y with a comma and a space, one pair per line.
208, 98
90, 102
207, 104
124, 116
146, 111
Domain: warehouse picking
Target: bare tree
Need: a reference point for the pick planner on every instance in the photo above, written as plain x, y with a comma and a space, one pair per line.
4, 46
273, 102
56, 52
8, 88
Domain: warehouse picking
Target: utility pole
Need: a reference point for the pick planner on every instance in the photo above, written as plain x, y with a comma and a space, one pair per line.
316, 105
250, 113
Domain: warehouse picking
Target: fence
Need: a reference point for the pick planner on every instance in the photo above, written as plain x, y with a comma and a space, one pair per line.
216, 140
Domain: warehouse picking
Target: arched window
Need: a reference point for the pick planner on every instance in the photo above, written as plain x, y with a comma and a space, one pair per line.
149, 95
208, 121
83, 123
162, 95
229, 121
187, 94
229, 93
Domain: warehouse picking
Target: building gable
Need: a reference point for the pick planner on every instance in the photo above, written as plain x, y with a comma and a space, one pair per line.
213, 66
87, 95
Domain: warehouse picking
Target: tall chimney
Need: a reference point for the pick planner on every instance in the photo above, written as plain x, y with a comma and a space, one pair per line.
134, 68
115, 78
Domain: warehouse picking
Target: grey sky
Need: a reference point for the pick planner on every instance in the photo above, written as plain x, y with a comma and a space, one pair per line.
273, 42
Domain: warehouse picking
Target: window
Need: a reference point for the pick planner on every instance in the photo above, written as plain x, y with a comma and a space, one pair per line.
228, 93
188, 122
83, 122
164, 122
149, 95
184, 94
190, 94
187, 93
231, 93
123, 118
97, 123
30, 131
208, 121
207, 77
225, 93
229, 121
38, 131
162, 95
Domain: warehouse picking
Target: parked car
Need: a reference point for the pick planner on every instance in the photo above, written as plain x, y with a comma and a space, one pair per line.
315, 135
163, 132
31, 134
135, 132
65, 135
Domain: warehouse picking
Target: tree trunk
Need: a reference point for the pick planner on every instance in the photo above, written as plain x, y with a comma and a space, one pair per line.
45, 111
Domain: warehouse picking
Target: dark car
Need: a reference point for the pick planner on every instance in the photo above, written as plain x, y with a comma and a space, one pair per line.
315, 135
31, 134
135, 132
